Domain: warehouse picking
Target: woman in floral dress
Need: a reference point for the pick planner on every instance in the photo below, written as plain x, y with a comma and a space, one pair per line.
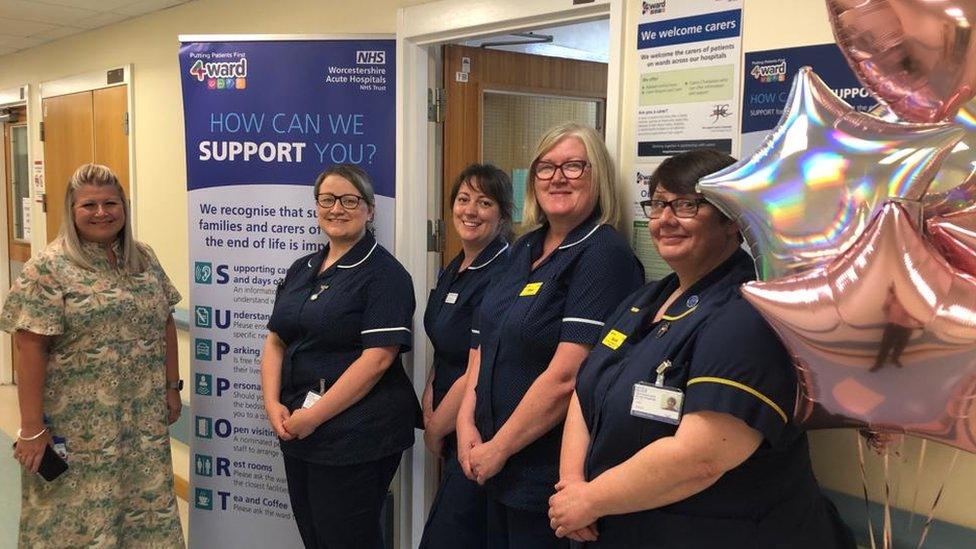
97, 367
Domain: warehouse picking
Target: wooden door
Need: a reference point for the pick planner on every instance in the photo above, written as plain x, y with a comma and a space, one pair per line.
507, 72
111, 140
68, 143
88, 126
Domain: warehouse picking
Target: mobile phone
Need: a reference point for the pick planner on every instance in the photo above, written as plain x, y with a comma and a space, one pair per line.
52, 465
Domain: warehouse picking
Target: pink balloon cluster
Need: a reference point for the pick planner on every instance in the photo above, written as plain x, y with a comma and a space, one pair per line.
864, 228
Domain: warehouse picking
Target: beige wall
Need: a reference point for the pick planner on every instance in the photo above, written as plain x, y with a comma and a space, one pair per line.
150, 44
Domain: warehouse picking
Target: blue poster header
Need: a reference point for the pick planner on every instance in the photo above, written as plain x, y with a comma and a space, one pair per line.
711, 26
248, 123
769, 76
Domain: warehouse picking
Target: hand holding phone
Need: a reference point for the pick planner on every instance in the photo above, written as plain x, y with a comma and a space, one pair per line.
52, 465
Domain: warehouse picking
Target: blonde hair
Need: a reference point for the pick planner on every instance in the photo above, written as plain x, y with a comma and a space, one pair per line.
133, 259
601, 174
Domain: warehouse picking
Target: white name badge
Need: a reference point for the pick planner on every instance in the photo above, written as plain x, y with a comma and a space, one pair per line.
657, 402
310, 399
451, 298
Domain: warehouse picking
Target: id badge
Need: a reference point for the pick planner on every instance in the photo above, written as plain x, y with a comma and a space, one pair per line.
657, 402
310, 399
60, 446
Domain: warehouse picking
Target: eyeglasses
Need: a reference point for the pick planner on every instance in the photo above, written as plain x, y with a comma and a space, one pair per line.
682, 207
571, 170
347, 201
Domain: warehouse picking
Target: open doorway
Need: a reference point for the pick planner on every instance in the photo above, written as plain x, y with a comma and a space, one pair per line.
15, 173
422, 33
504, 91
18, 202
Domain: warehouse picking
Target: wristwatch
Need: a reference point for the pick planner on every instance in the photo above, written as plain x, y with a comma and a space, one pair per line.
177, 385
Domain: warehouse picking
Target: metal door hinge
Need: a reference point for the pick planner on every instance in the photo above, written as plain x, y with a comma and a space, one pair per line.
41, 125
435, 235
125, 123
436, 104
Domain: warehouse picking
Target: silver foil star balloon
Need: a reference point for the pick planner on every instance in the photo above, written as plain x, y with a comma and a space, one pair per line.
954, 187
813, 186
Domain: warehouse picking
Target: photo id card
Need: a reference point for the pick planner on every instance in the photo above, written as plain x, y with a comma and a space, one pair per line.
657, 402
310, 399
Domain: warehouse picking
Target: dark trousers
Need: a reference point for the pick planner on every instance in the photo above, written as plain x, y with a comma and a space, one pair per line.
458, 516
339, 507
510, 528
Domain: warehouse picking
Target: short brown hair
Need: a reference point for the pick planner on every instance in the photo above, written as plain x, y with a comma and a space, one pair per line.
495, 184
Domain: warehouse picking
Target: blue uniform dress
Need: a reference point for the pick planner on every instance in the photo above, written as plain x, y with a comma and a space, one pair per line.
726, 359
524, 316
338, 476
457, 518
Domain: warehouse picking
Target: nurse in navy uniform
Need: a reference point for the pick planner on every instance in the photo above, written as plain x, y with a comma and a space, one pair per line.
535, 326
481, 199
679, 434
334, 386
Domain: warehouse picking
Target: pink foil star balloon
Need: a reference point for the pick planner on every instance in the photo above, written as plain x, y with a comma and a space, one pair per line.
821, 176
955, 236
884, 337
918, 56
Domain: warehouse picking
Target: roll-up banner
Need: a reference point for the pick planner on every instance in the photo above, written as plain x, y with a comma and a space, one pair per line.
769, 76
263, 116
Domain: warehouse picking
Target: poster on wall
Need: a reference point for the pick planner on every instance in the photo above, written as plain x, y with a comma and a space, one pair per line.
654, 267
689, 59
769, 76
262, 119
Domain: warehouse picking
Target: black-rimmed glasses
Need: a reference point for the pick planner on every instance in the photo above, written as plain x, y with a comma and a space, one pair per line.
571, 170
682, 207
347, 201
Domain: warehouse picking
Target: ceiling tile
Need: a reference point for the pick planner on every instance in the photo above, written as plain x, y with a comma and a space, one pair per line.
45, 13
95, 5
147, 6
58, 32
19, 27
100, 20
20, 43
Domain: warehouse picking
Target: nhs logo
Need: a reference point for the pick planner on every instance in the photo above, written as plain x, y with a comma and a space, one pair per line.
370, 57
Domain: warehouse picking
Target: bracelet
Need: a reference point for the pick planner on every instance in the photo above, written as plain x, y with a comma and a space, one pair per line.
35, 437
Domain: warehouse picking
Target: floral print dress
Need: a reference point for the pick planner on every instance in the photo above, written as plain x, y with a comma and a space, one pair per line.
105, 394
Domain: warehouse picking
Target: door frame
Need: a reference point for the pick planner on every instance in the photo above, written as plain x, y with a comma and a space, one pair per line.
89, 81
419, 30
18, 96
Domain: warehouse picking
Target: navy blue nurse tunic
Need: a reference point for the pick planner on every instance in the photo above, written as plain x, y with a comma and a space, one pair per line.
457, 517
362, 301
726, 359
524, 316
450, 310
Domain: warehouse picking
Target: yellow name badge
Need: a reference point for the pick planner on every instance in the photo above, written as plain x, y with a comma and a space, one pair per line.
531, 288
614, 339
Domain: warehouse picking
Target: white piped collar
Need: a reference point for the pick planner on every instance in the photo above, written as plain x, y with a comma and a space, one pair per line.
352, 255
492, 258
587, 235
